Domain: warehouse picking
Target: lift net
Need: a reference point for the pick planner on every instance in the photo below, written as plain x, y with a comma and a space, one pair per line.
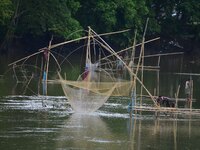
90, 93
98, 82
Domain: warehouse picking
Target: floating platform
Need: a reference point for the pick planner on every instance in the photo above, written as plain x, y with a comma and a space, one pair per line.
184, 111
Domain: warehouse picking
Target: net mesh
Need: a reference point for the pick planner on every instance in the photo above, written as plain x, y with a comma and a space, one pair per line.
93, 91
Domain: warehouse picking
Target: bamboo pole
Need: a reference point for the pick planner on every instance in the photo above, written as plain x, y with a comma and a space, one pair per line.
88, 59
181, 111
191, 98
85, 37
15, 73
175, 133
28, 83
142, 75
134, 129
189, 128
165, 54
132, 47
139, 134
99, 60
27, 57
192, 74
142, 54
156, 55
158, 77
40, 79
56, 61
176, 96
133, 88
88, 52
47, 66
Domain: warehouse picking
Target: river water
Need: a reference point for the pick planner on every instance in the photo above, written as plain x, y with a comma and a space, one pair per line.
48, 122
30, 122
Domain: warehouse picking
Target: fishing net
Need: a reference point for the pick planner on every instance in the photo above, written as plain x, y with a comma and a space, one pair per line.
103, 77
91, 92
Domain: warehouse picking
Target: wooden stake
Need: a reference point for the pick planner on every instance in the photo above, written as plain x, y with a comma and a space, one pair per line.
176, 96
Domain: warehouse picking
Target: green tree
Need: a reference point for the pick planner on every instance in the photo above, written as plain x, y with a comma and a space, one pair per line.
177, 18
48, 17
113, 15
6, 13
43, 18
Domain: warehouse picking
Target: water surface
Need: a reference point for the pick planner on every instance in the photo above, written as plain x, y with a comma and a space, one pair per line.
48, 122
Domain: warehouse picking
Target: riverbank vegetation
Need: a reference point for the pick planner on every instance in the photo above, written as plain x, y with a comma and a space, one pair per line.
32, 23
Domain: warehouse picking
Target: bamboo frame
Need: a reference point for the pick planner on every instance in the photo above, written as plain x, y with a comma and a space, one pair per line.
113, 53
63, 43
106, 46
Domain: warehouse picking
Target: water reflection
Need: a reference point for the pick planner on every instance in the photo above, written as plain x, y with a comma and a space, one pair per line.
83, 131
132, 132
163, 133
162, 128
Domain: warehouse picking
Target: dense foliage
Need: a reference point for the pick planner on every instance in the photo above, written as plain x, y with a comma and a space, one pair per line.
178, 20
171, 19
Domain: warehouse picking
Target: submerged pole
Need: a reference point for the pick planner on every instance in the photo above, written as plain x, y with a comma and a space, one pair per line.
131, 64
40, 78
46, 67
158, 78
176, 96
191, 92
